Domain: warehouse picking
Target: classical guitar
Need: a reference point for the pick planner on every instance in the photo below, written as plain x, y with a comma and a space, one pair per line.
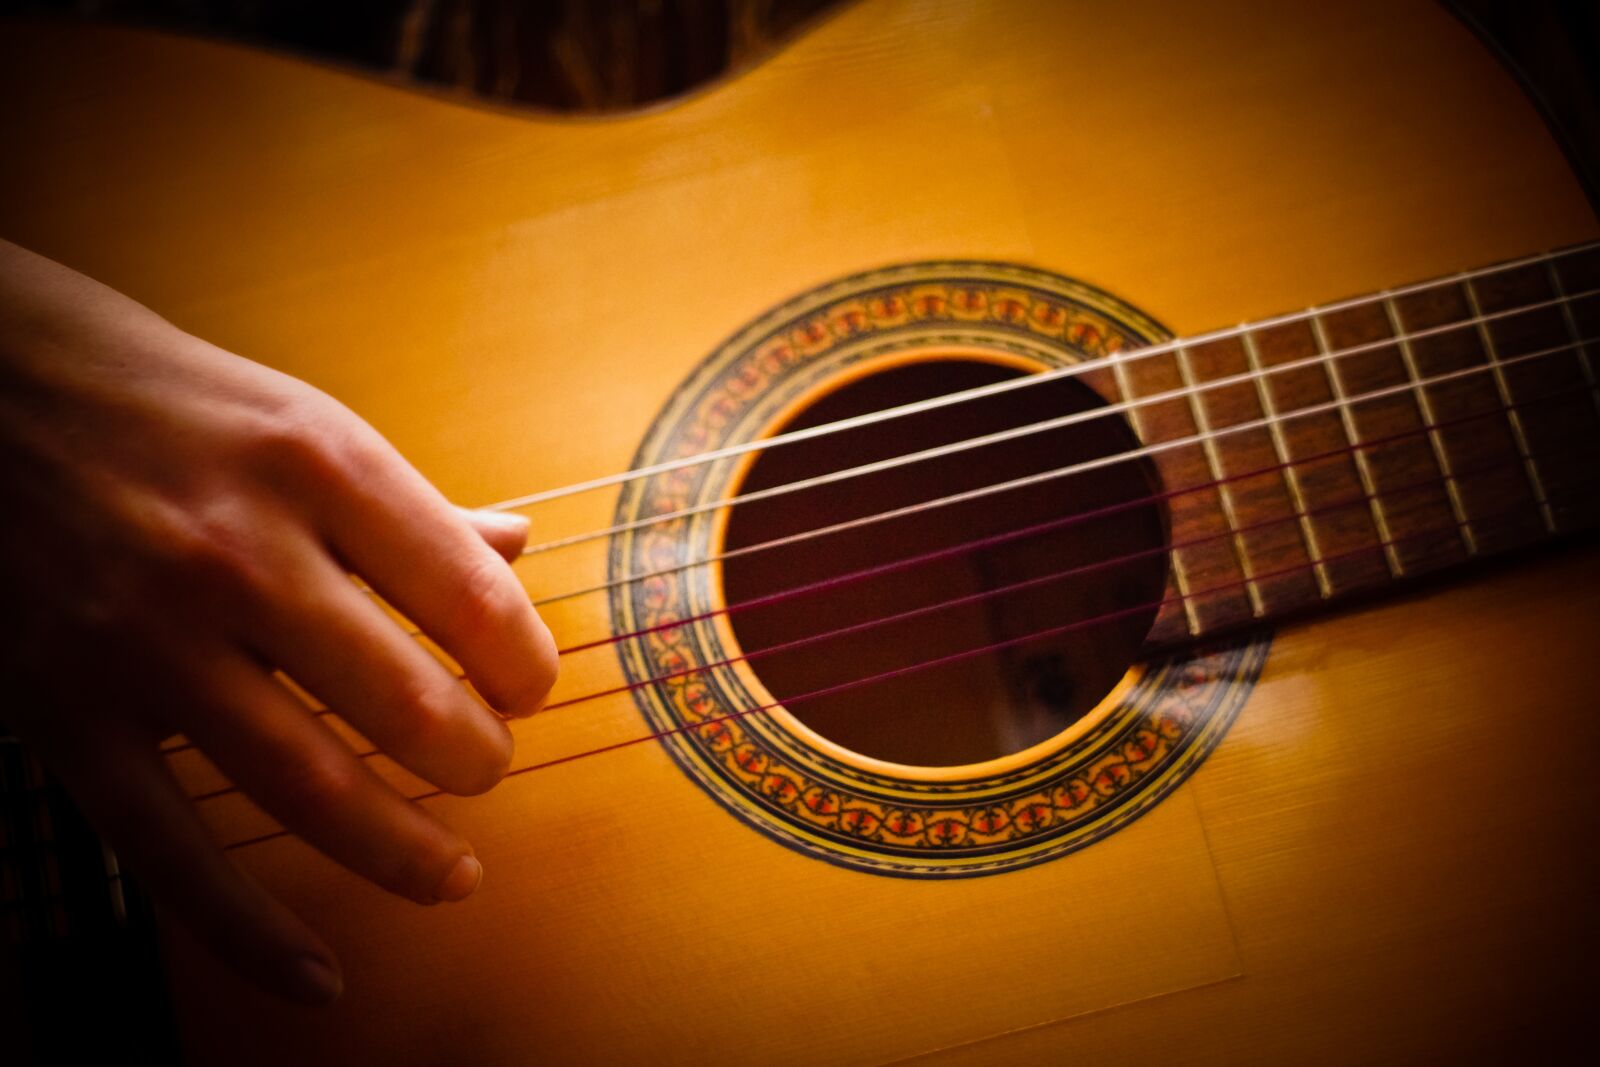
978, 648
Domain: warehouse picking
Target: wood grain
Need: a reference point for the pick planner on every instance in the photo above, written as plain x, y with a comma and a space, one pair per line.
1386, 861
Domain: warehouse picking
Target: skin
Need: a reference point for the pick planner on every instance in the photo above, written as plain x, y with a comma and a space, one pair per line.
180, 523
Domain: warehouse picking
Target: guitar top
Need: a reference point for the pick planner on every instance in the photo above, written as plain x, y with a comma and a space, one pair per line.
1228, 749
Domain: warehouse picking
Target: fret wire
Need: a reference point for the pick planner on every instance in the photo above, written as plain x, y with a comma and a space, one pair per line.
1513, 416
1330, 368
1425, 412
1291, 477
1572, 329
1180, 572
1208, 445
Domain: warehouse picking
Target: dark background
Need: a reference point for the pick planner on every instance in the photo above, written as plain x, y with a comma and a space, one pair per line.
63, 960
614, 55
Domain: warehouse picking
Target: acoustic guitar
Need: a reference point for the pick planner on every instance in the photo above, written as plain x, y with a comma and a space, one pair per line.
978, 647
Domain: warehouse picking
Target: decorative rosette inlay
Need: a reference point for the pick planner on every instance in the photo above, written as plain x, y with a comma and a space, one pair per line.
759, 765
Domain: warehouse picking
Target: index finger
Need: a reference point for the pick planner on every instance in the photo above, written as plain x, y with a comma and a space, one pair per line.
391, 526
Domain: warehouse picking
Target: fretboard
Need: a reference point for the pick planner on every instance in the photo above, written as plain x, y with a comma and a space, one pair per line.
1375, 440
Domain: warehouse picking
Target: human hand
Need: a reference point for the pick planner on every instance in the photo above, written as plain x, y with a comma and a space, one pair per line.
180, 522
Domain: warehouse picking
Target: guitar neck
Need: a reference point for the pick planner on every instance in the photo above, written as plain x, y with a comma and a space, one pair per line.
1362, 444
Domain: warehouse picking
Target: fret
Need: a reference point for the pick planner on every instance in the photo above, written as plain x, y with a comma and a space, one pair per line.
1224, 489
1321, 484
1291, 476
1193, 501
1363, 464
1513, 416
1260, 530
1557, 408
1425, 409
1180, 574
1485, 469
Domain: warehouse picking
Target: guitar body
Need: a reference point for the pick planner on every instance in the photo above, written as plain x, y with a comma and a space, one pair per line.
1388, 856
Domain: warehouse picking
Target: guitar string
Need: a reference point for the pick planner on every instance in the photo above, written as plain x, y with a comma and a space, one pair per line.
869, 624
1321, 359
1377, 546
1045, 425
657, 735
959, 549
995, 540
1006, 536
1275, 418
1094, 514
984, 595
994, 389
833, 690
1056, 576
1028, 583
1096, 565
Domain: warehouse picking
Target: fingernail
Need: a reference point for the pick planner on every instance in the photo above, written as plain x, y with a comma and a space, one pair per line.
318, 981
506, 520
462, 880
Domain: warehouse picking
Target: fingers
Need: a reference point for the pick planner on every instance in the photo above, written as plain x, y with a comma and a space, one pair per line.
126, 791
306, 778
504, 531
335, 642
399, 533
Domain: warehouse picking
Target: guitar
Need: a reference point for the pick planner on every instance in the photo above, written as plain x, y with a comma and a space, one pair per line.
1077, 674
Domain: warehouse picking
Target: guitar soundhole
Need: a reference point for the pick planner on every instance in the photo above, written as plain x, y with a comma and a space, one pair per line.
1093, 569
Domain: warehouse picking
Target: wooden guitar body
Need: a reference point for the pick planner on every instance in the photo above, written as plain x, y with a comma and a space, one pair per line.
1387, 856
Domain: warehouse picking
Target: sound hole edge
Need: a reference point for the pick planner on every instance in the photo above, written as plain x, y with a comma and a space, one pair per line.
1027, 695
